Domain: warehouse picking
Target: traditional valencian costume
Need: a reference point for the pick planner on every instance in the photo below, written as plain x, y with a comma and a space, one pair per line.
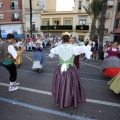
8, 56
67, 87
111, 65
115, 84
38, 58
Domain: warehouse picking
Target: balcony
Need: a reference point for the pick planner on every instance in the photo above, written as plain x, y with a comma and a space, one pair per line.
34, 29
57, 28
82, 28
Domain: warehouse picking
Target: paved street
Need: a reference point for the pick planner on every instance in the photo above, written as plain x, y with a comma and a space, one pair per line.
33, 99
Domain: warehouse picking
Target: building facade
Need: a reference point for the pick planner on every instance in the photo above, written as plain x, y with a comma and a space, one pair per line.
116, 31
48, 20
76, 21
11, 18
109, 21
37, 6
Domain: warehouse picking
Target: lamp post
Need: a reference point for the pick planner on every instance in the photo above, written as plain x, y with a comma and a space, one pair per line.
48, 28
30, 18
0, 32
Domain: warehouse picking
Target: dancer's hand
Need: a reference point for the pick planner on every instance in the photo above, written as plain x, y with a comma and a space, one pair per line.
23, 49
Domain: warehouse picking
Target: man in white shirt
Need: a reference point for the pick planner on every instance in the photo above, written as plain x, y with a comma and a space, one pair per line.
9, 55
30, 45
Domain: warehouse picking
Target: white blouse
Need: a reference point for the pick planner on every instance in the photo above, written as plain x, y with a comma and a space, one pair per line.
113, 49
77, 50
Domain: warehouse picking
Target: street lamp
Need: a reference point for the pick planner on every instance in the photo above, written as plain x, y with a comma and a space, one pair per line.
48, 28
30, 18
0, 32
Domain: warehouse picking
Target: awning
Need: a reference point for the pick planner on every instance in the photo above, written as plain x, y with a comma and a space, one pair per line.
16, 36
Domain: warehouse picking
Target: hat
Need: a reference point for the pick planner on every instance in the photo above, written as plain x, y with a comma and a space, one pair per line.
67, 33
38, 41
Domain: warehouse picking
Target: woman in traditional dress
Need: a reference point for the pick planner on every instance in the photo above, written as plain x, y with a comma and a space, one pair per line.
38, 58
67, 87
111, 65
115, 84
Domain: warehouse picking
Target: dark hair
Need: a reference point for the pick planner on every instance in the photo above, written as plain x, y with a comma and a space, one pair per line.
10, 36
66, 38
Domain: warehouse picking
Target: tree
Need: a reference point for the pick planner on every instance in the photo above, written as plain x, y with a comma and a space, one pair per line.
31, 18
93, 10
101, 28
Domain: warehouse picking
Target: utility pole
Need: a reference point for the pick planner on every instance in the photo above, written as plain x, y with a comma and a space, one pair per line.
30, 18
0, 32
48, 28
101, 29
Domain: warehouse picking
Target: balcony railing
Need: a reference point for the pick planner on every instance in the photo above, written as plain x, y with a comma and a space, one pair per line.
59, 27
82, 27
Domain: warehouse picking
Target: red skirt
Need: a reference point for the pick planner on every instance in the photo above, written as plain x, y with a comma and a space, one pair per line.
76, 61
111, 72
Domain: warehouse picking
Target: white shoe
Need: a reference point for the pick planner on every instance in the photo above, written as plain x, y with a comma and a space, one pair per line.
12, 88
15, 83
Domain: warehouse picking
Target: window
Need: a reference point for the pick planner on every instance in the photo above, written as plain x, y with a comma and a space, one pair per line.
33, 26
67, 22
14, 4
1, 16
82, 22
15, 16
80, 5
1, 5
56, 22
45, 23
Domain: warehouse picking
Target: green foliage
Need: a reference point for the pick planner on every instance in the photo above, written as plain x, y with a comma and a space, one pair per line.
94, 9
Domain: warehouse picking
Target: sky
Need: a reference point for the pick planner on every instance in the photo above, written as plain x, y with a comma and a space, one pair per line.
64, 5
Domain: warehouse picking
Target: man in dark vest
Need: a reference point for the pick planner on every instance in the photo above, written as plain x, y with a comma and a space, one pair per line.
8, 56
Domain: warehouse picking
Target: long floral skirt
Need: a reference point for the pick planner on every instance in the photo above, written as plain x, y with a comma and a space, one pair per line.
67, 88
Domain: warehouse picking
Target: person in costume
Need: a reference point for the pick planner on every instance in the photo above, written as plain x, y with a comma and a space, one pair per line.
9, 55
111, 65
66, 87
38, 59
18, 60
115, 84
